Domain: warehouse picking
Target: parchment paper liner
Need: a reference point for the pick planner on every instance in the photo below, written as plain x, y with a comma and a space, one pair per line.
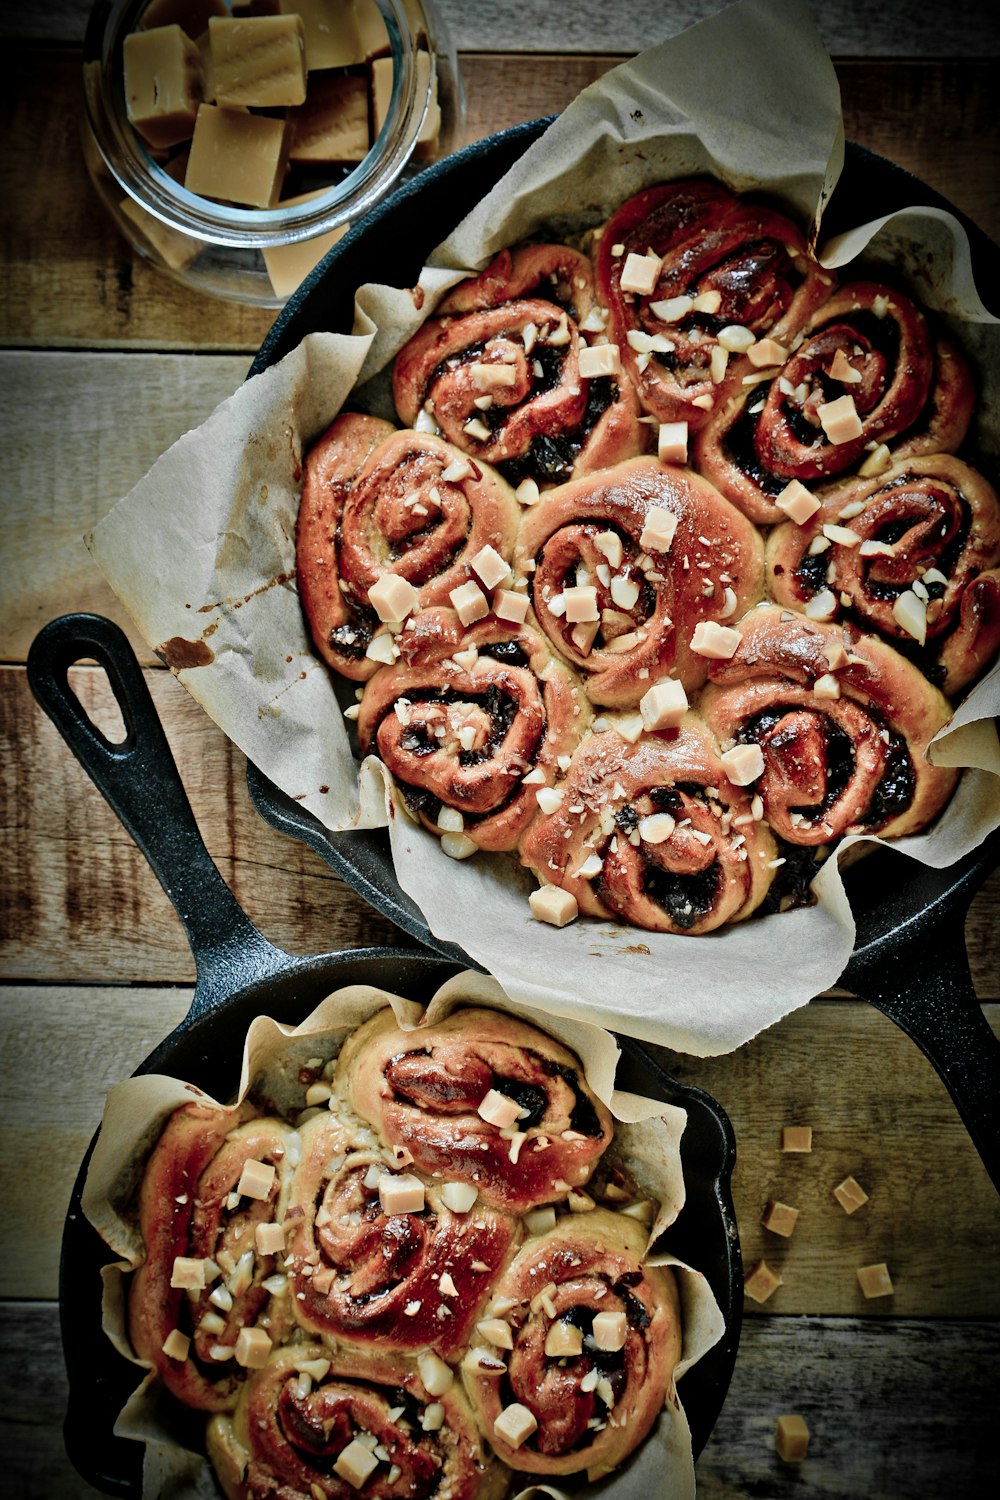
750, 96
648, 1130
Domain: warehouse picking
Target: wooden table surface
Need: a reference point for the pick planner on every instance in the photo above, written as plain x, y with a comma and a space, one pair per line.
103, 363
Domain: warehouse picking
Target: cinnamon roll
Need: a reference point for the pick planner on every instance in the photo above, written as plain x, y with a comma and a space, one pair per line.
912, 554
480, 1098
842, 722
361, 1271
655, 834
214, 1178
465, 716
592, 1340
867, 374
316, 1424
623, 565
689, 272
377, 502
505, 371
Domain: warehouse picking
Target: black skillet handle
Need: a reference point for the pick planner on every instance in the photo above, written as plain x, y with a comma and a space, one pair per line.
925, 987
139, 780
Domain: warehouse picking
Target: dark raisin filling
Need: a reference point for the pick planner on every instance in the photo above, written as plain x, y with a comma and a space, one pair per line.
894, 792
498, 707
790, 886
810, 575
583, 1115
353, 638
508, 652
684, 898
552, 457
740, 448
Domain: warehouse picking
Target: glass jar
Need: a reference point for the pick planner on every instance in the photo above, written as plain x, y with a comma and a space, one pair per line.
258, 255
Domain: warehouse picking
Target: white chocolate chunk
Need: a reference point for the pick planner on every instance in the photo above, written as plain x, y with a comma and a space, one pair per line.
610, 1330
354, 1463
840, 421
499, 1110
469, 602
490, 567
599, 359
564, 1341
719, 642
270, 1238
797, 502
256, 1179
553, 905
492, 377
510, 606
392, 597
400, 1193
188, 1272
434, 1373
640, 273
658, 529
672, 443
515, 1424
743, 764
581, 603
664, 705
253, 1346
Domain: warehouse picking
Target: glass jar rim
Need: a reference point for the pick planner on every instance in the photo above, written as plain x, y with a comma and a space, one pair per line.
144, 180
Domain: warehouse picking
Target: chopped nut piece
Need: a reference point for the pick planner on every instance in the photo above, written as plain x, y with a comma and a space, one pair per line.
850, 1195
435, 1374
487, 377
269, 1238
469, 603
719, 642
527, 492
875, 1281
176, 1345
576, 1201
791, 1439
400, 1193
672, 309
656, 828
549, 798
762, 1282
458, 845
826, 686
839, 420
499, 1110
382, 648
910, 614
779, 1218
514, 1424
483, 1361
253, 1346
640, 273
564, 1340
796, 1138
599, 359
459, 1197
446, 1285
610, 1330
842, 535
822, 606
736, 338
743, 764
256, 1179
664, 705
797, 502
354, 1463
766, 352
392, 597
496, 1331
610, 544
540, 1221
672, 444
432, 1418
877, 462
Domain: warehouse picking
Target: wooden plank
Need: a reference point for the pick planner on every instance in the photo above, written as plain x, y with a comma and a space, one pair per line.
896, 28
877, 1109
881, 1114
79, 900
108, 436
71, 279
894, 1411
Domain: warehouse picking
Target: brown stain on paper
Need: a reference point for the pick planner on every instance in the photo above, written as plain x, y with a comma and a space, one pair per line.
181, 655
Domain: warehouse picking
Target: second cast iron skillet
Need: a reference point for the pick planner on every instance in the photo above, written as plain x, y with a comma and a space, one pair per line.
909, 958
241, 975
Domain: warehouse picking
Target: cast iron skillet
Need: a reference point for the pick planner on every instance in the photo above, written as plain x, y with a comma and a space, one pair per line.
909, 958
241, 975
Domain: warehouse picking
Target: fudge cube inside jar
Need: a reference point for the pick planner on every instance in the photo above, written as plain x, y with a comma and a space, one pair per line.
233, 150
